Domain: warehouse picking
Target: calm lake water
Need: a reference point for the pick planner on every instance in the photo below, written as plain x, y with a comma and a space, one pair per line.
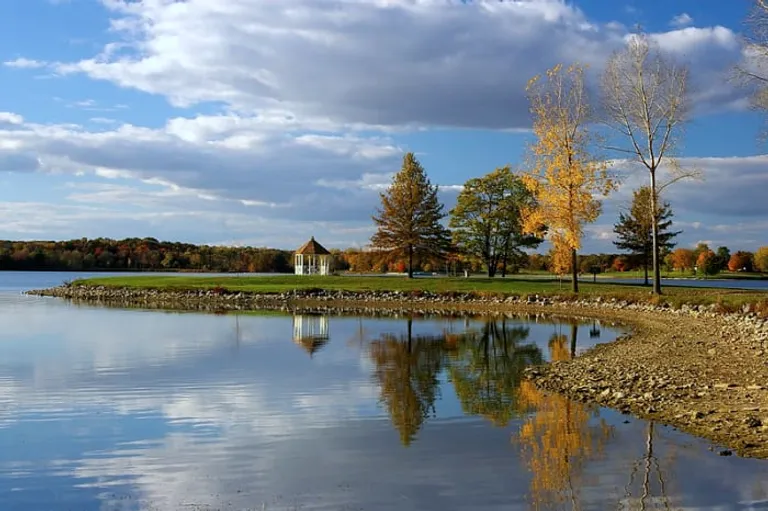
109, 409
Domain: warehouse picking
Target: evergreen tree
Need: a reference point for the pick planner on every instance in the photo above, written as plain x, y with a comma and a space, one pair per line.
408, 222
487, 220
635, 229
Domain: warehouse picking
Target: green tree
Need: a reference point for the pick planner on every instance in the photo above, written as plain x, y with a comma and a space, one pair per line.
408, 222
635, 228
707, 262
486, 221
723, 255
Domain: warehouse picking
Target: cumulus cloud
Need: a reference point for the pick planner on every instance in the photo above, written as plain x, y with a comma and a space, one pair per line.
305, 103
682, 20
395, 63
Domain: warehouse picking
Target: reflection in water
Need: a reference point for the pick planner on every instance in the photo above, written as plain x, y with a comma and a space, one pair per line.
650, 490
310, 331
407, 369
559, 437
130, 410
487, 369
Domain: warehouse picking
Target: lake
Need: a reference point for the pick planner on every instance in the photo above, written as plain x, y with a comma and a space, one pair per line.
110, 409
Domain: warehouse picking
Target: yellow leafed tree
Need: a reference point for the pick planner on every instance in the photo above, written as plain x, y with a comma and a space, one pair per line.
563, 174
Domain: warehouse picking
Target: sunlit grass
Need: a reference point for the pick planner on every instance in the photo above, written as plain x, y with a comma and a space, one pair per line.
729, 298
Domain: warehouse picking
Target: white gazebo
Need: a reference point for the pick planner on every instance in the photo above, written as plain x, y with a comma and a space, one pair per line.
312, 259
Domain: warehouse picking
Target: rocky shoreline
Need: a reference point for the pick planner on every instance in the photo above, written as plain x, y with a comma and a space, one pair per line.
694, 368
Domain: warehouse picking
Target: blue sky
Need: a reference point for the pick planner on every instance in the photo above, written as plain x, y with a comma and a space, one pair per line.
255, 122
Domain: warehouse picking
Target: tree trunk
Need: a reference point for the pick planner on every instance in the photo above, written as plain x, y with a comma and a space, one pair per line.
645, 264
574, 333
504, 259
575, 271
410, 261
655, 237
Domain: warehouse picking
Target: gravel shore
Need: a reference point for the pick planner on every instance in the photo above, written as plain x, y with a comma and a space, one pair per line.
694, 368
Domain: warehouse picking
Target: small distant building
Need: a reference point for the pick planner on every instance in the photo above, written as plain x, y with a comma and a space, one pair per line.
312, 259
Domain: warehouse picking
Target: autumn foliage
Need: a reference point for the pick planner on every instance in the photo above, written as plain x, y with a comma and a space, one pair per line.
740, 261
707, 262
408, 222
683, 259
558, 439
761, 259
563, 175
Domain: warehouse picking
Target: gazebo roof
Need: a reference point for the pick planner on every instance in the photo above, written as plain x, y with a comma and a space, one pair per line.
312, 247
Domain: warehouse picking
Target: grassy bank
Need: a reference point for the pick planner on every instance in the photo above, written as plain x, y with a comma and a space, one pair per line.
675, 296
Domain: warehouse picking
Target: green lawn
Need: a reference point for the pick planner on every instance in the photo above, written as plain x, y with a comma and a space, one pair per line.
508, 286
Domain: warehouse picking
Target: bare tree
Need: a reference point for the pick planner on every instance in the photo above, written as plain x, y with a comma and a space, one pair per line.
645, 101
754, 71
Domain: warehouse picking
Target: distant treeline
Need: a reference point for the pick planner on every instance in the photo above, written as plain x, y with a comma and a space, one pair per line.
139, 254
149, 254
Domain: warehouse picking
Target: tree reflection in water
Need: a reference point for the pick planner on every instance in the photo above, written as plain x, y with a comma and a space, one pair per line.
650, 490
487, 368
406, 370
557, 440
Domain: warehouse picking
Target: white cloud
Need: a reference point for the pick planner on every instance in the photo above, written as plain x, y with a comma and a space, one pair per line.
310, 98
460, 64
10, 118
682, 20
22, 63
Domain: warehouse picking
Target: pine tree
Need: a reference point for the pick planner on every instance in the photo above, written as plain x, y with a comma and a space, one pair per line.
487, 221
408, 222
635, 228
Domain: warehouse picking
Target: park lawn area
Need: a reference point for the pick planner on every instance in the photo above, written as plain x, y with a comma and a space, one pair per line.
675, 296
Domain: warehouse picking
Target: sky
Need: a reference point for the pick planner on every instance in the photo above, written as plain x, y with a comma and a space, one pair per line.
255, 122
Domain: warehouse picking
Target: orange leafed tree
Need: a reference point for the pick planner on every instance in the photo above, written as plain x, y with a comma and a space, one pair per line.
707, 262
683, 259
740, 261
563, 174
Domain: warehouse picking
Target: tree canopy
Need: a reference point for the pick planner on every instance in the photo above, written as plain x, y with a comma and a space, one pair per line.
635, 227
409, 219
564, 176
487, 220
645, 101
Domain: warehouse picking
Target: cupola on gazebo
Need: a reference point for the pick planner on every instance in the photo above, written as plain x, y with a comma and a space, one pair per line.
312, 259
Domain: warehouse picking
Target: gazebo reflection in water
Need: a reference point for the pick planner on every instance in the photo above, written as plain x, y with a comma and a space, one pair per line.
310, 331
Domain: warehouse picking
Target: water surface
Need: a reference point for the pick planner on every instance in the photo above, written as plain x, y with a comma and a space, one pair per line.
109, 409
